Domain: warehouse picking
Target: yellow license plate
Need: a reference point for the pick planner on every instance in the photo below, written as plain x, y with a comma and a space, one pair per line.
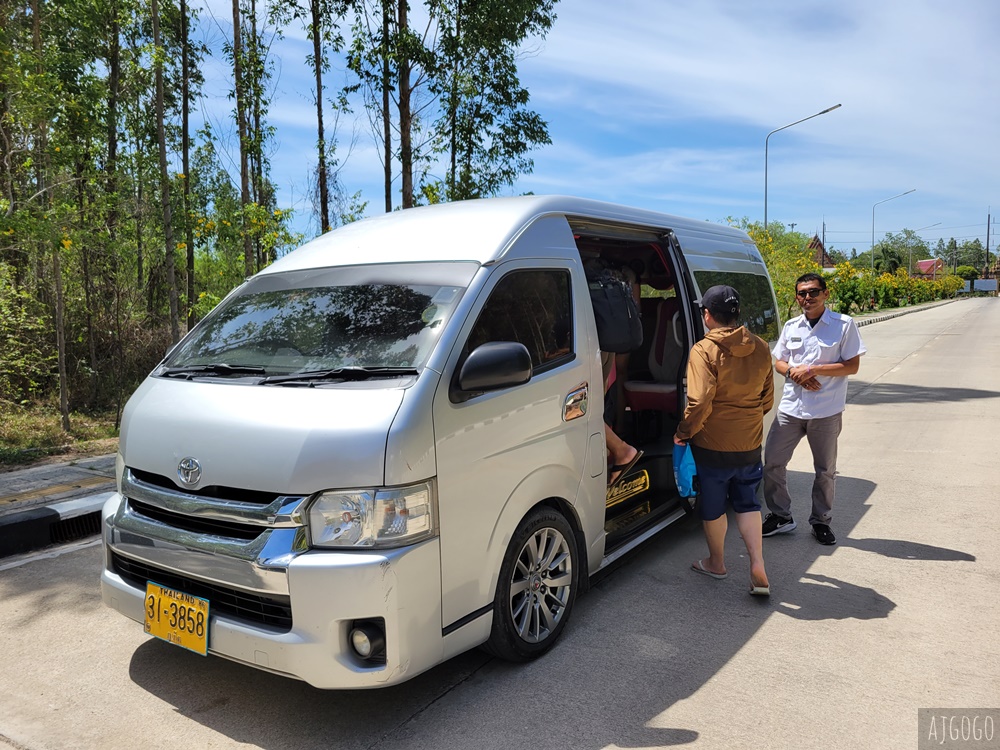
177, 617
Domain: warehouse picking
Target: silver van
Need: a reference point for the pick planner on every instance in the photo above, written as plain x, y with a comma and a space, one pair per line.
388, 447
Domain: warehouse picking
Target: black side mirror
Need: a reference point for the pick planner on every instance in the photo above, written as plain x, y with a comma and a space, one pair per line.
492, 366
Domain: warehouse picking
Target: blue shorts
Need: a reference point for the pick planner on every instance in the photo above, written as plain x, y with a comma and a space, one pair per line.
737, 484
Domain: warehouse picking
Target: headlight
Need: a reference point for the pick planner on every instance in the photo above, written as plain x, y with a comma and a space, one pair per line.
373, 518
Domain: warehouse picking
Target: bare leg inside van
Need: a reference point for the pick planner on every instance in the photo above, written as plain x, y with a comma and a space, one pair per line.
620, 453
621, 366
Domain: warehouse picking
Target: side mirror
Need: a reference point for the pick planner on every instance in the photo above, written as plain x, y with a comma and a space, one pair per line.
492, 366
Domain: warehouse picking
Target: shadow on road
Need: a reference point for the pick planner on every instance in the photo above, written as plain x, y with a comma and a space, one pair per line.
647, 636
860, 392
819, 597
904, 550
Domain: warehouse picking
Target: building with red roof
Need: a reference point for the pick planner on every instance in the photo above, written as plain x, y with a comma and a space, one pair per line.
932, 267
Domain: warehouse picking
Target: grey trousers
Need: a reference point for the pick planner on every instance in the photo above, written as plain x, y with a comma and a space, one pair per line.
785, 433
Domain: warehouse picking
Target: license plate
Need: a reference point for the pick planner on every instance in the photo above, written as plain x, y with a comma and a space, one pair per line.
177, 617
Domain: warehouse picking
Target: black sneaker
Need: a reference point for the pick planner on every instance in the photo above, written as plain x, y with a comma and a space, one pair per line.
823, 534
776, 525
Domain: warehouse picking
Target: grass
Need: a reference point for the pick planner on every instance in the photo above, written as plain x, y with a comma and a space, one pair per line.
34, 433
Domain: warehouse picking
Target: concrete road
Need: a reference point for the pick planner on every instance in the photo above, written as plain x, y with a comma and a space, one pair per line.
900, 615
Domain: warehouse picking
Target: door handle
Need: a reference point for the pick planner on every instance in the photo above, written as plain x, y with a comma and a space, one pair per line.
575, 405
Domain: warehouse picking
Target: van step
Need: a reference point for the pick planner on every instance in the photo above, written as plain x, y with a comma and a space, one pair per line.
632, 542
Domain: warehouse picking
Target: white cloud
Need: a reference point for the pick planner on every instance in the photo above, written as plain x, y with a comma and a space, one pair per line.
667, 105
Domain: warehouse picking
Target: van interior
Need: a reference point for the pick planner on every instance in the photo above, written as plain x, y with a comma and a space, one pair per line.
645, 400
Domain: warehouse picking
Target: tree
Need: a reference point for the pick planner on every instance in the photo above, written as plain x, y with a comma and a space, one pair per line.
322, 18
161, 142
42, 173
240, 95
909, 247
838, 256
92, 100
887, 259
455, 90
969, 273
971, 253
786, 256
948, 252
485, 127
392, 64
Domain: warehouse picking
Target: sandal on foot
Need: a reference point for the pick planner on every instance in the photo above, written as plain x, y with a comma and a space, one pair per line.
756, 590
699, 567
622, 470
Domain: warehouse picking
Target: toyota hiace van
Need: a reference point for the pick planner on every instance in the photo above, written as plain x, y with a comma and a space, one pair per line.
388, 447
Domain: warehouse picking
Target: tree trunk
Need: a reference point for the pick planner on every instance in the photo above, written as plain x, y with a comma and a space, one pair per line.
6, 146
324, 196
453, 104
241, 123
168, 230
61, 335
256, 148
405, 112
42, 185
386, 115
114, 83
140, 247
186, 159
88, 287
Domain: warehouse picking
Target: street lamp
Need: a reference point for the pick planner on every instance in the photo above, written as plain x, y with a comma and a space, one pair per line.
873, 220
783, 127
909, 263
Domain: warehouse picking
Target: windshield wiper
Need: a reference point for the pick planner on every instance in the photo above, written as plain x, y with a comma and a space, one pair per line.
220, 368
339, 373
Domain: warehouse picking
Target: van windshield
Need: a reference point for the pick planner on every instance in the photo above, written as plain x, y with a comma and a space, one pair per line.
386, 316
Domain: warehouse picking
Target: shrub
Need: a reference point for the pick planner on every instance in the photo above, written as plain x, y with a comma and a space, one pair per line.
27, 356
858, 290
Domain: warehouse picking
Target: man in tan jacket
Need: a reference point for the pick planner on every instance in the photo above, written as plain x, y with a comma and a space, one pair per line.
730, 389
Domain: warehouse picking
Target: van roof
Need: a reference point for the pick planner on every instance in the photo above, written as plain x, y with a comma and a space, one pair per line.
473, 230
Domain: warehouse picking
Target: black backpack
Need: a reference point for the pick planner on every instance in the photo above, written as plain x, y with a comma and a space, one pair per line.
619, 328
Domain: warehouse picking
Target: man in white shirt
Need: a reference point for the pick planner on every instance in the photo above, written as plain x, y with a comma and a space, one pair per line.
816, 352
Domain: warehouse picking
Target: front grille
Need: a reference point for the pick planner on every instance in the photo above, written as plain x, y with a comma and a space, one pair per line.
271, 610
196, 524
214, 492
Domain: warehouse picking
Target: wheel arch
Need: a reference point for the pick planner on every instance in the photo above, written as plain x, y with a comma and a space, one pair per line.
537, 490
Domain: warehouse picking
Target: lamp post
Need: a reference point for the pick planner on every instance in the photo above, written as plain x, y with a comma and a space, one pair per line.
783, 127
909, 263
873, 220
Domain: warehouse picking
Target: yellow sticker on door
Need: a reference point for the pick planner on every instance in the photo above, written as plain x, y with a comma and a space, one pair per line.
627, 488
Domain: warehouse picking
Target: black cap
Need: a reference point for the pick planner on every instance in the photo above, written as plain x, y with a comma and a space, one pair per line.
721, 300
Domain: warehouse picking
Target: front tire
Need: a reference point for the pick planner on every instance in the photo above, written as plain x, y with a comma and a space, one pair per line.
537, 587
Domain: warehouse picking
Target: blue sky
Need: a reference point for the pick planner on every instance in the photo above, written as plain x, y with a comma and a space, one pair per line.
666, 105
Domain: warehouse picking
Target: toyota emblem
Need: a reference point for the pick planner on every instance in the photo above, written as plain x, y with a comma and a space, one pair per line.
189, 471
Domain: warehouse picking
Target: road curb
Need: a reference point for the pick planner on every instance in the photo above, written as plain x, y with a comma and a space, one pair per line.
28, 530
898, 313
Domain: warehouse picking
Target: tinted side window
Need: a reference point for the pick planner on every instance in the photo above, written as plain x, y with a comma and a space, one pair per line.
757, 311
533, 308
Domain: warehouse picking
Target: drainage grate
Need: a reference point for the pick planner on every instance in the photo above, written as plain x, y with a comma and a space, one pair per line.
78, 527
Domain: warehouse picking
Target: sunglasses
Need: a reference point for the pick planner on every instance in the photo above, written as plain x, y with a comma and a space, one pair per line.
810, 293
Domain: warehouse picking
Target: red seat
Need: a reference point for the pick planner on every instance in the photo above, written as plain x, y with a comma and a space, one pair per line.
666, 352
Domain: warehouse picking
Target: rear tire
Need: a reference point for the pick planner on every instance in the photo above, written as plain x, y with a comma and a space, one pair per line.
537, 587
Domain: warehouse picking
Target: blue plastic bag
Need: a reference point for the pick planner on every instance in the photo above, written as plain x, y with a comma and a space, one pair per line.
684, 470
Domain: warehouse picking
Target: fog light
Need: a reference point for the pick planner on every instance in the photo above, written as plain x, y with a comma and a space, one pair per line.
367, 640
